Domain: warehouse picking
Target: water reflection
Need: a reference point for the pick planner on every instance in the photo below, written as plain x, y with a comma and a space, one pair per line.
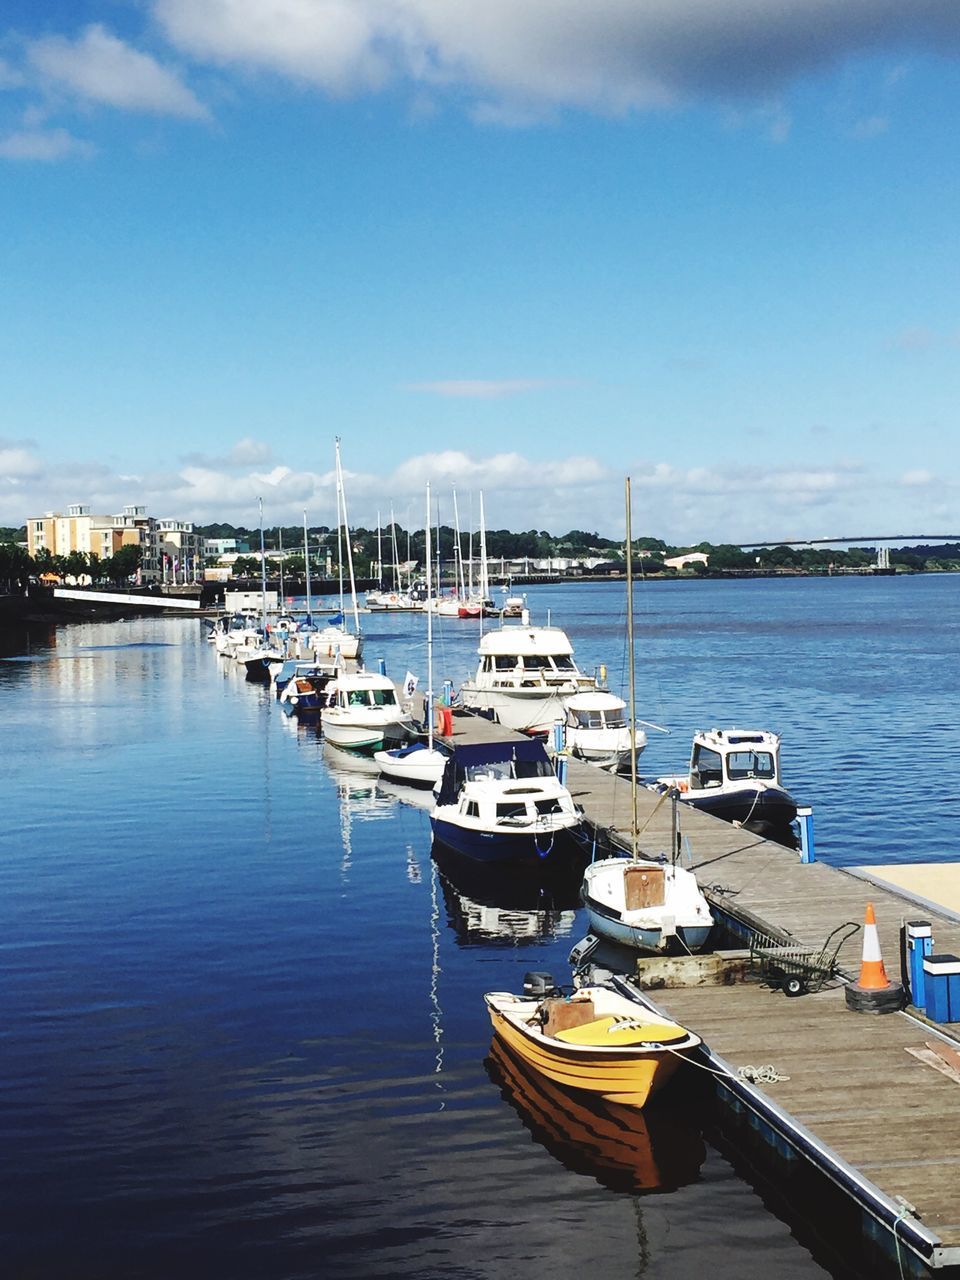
654, 1149
511, 905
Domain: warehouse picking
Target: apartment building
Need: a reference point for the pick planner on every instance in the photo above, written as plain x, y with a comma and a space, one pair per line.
169, 549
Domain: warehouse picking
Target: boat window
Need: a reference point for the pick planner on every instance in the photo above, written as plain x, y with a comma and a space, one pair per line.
564, 663
473, 809
750, 764
706, 769
511, 811
492, 769
357, 698
589, 720
383, 697
548, 806
533, 769
536, 662
616, 720
505, 662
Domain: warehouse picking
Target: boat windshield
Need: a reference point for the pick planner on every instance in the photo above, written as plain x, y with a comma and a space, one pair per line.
586, 719
706, 768
383, 698
563, 662
508, 769
536, 662
750, 764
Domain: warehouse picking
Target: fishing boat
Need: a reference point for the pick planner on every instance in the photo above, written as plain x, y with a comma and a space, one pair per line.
364, 714
597, 1039
419, 764
597, 730
524, 677
502, 801
735, 775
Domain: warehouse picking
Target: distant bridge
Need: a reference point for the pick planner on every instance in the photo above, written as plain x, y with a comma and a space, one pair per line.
873, 539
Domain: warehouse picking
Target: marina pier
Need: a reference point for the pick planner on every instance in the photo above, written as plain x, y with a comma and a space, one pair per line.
871, 1103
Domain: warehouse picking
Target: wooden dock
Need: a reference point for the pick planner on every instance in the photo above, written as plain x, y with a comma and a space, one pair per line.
872, 1101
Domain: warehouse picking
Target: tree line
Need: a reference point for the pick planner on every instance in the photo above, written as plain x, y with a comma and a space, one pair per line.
18, 568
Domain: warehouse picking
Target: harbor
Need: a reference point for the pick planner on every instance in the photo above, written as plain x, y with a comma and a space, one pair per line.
872, 1102
274, 976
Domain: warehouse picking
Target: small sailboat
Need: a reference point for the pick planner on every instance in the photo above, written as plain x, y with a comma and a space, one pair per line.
646, 903
418, 763
597, 1039
259, 650
334, 638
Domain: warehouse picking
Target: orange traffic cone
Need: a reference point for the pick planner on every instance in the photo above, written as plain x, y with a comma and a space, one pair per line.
873, 992
873, 976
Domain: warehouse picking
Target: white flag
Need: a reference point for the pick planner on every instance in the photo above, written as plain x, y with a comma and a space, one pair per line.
409, 685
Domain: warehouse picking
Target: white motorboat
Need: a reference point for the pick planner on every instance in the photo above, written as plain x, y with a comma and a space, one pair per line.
735, 775
524, 677
364, 714
502, 801
597, 730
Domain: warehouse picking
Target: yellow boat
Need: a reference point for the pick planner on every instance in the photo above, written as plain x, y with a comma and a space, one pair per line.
596, 1039
644, 1151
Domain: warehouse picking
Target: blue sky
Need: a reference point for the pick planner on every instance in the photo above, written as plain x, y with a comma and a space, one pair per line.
519, 249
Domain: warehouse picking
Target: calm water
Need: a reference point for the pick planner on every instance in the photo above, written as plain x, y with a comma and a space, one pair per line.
240, 1009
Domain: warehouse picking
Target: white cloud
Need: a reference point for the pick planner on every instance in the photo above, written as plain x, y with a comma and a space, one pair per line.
43, 144
870, 127
18, 462
99, 67
486, 389
10, 77
523, 59
684, 505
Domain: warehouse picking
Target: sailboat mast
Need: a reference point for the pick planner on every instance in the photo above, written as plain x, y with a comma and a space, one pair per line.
633, 702
263, 569
306, 559
429, 633
346, 529
280, 548
484, 572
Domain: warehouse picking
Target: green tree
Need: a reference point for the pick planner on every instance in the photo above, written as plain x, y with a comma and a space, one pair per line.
76, 565
123, 564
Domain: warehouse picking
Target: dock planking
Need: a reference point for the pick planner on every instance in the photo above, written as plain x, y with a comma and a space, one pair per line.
859, 1083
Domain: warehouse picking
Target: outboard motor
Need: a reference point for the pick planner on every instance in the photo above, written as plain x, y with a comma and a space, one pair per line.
537, 984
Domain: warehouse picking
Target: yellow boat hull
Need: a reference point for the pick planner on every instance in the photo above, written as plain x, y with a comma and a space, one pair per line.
629, 1077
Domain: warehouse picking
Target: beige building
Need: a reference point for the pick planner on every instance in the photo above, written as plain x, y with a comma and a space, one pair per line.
101, 535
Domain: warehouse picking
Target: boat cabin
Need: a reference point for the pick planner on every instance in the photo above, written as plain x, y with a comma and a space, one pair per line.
528, 657
503, 760
734, 755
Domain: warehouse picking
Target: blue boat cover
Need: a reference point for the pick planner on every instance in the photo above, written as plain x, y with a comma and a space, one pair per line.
524, 758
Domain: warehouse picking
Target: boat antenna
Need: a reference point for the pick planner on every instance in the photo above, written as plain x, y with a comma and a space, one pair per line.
633, 703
